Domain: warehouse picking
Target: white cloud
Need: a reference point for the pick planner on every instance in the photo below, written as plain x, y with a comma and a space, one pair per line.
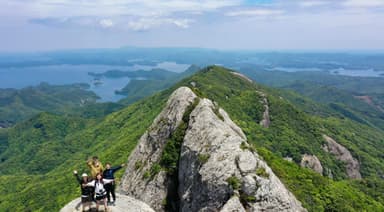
104, 8
106, 23
184, 23
363, 3
136, 14
256, 12
143, 24
312, 3
119, 23
66, 21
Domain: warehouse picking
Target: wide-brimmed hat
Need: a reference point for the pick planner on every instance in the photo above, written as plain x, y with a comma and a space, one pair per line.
84, 175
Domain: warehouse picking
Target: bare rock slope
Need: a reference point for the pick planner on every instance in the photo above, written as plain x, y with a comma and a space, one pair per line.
123, 204
312, 162
343, 154
217, 169
136, 182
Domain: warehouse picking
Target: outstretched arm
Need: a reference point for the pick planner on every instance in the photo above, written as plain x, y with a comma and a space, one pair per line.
117, 167
92, 183
106, 181
77, 176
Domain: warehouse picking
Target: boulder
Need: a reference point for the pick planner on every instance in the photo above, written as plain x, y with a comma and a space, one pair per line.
352, 165
312, 162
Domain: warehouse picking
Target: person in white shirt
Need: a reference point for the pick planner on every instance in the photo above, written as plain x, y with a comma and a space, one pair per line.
101, 194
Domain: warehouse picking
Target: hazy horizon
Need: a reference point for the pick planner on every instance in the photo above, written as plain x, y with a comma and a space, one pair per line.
229, 50
263, 25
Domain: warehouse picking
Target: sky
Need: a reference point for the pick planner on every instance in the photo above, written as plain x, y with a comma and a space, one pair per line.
39, 25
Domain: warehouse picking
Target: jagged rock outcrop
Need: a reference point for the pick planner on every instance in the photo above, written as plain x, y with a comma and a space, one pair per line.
216, 162
266, 121
217, 169
242, 76
342, 153
123, 204
312, 162
136, 182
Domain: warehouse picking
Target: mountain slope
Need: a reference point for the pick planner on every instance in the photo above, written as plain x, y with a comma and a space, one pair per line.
358, 107
291, 133
111, 139
17, 105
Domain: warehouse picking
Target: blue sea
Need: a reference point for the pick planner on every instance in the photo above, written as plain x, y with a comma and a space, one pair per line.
68, 74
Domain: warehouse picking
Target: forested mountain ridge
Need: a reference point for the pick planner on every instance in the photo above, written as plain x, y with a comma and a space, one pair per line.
20, 104
290, 133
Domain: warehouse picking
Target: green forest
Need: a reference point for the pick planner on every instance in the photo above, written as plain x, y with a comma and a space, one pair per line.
39, 154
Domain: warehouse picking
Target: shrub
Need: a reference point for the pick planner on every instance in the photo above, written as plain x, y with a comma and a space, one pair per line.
146, 175
151, 173
171, 152
234, 182
262, 172
249, 147
155, 169
216, 110
203, 158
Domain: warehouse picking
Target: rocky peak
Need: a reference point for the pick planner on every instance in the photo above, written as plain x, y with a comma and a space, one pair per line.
220, 170
242, 76
217, 170
266, 121
143, 177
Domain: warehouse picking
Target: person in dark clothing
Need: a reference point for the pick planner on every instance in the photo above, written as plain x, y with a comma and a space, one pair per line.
86, 192
109, 174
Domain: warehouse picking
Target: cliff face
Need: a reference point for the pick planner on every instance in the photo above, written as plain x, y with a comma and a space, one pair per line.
217, 169
140, 179
352, 165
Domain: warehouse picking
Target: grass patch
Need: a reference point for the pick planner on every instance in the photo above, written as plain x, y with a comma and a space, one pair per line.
234, 182
146, 175
138, 165
203, 158
198, 92
216, 110
262, 172
245, 146
247, 198
150, 174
